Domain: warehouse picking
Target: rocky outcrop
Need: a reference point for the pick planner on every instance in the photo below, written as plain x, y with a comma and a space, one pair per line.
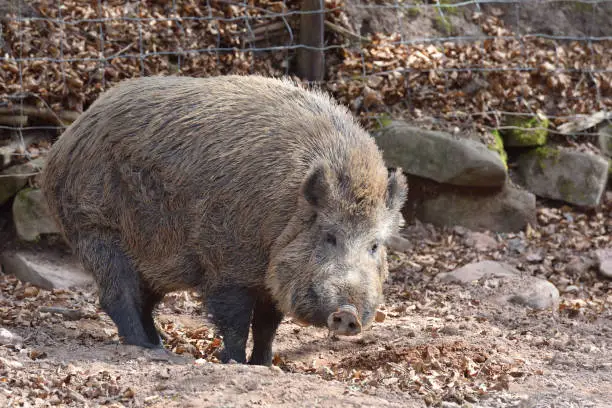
507, 210
15, 178
440, 157
574, 177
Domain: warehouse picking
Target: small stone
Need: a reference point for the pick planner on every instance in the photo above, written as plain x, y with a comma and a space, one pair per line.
516, 245
450, 330
572, 289
129, 393
398, 243
380, 316
48, 270
604, 262
537, 294
448, 404
276, 369
478, 270
534, 257
9, 338
11, 363
481, 241
461, 231
577, 266
505, 284
31, 291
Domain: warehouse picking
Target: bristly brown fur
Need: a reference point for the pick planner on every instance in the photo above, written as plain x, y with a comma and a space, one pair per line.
197, 180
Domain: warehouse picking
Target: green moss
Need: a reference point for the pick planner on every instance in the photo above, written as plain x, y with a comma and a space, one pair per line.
568, 191
498, 146
548, 153
581, 7
383, 121
544, 154
442, 24
22, 196
22, 199
413, 11
447, 6
527, 131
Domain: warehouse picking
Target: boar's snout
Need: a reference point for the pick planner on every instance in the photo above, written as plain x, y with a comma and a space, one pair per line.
344, 321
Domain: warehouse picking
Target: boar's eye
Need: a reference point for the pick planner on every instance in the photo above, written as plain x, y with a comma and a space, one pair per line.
374, 248
330, 239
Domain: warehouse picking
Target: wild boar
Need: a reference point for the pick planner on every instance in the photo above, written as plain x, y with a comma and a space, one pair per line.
264, 195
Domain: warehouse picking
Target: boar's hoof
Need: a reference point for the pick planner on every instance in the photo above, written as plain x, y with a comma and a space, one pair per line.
344, 321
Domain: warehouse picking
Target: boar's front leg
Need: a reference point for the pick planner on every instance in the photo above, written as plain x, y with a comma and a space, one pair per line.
231, 309
266, 318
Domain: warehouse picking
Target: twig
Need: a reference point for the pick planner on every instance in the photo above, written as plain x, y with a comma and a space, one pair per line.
69, 314
13, 120
62, 118
345, 32
19, 175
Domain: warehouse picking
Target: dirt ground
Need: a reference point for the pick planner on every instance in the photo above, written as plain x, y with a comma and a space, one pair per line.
439, 345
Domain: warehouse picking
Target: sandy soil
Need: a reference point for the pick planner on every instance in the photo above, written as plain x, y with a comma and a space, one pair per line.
439, 345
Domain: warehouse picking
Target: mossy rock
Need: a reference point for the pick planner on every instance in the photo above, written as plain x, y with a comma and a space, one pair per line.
527, 131
574, 177
498, 146
383, 121
439, 156
15, 178
31, 216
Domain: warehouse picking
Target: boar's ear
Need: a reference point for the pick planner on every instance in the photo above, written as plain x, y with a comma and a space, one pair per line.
316, 187
397, 189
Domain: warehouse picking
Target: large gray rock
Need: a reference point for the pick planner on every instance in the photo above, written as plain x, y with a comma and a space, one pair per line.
502, 283
31, 215
574, 177
48, 270
440, 157
509, 210
15, 178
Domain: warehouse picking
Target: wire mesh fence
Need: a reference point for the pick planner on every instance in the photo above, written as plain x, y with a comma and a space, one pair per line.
459, 64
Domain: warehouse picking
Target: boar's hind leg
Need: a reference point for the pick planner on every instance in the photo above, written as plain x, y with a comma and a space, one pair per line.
266, 318
150, 300
120, 288
231, 309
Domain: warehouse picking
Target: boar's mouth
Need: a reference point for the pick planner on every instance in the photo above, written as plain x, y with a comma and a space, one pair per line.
309, 309
312, 309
